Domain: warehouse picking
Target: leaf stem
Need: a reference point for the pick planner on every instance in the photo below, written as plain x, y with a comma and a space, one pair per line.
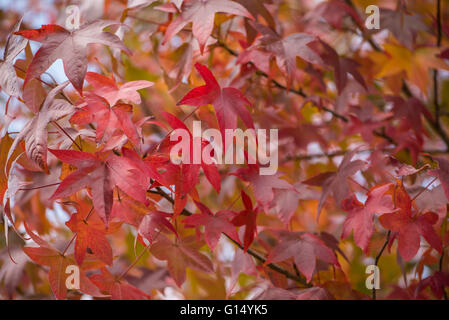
65, 132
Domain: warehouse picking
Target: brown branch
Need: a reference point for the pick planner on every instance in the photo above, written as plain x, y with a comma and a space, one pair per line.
302, 157
441, 270
435, 72
376, 261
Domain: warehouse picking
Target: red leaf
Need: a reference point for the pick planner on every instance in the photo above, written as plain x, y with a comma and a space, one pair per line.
263, 185
305, 249
248, 219
284, 50
58, 43
360, 218
35, 131
210, 170
179, 256
118, 289
228, 102
46, 255
214, 224
89, 235
155, 221
108, 88
202, 13
335, 183
101, 173
108, 119
410, 227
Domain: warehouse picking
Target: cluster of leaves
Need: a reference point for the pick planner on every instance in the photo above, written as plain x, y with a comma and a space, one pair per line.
86, 178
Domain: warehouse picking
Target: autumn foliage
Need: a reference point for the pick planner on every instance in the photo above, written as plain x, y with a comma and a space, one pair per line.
86, 178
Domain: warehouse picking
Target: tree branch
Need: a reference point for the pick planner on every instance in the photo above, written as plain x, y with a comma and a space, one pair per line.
435, 71
376, 261
441, 270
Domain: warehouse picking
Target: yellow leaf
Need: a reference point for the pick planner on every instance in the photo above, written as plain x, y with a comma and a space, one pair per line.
416, 64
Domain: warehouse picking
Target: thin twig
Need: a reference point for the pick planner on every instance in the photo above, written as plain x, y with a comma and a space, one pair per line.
376, 261
425, 188
65, 132
40, 187
435, 71
441, 270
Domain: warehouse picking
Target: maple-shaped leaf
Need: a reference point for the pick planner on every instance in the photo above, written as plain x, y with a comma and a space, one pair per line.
181, 255
365, 120
366, 128
145, 218
410, 111
108, 118
202, 14
92, 235
101, 172
342, 67
247, 218
8, 78
107, 88
71, 47
241, 263
257, 8
360, 217
228, 102
335, 183
263, 185
154, 222
209, 167
407, 139
305, 248
35, 131
442, 173
119, 289
285, 50
437, 283
403, 25
285, 201
410, 227
415, 63
334, 12
130, 211
47, 255
11, 271
214, 224
183, 177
